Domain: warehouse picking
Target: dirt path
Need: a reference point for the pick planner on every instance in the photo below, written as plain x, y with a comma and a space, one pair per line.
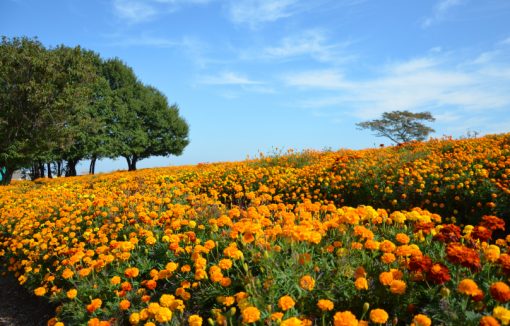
21, 308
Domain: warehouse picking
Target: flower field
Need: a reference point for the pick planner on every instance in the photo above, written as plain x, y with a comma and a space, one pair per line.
408, 235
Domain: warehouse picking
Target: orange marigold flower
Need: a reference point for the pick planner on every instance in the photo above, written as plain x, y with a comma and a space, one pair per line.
459, 254
345, 318
276, 316
40, 291
325, 305
493, 223
388, 258
115, 280
386, 278
489, 321
134, 318
387, 246
402, 238
398, 287
500, 291
307, 283
378, 316
286, 302
250, 314
163, 315
67, 273
421, 320
94, 304
438, 274
469, 287
360, 272
71, 294
131, 272
124, 304
361, 283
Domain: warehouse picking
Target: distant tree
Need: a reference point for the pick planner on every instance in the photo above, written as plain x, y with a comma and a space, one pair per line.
143, 122
400, 126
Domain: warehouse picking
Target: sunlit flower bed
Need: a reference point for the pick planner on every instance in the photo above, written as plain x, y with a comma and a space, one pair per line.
270, 242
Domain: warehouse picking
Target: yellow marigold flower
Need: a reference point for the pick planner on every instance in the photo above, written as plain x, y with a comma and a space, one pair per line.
492, 253
195, 320
250, 314
153, 308
40, 291
307, 283
378, 316
398, 287
325, 305
171, 266
286, 302
163, 315
59, 323
293, 321
345, 318
115, 280
421, 320
502, 314
361, 283
134, 318
71, 294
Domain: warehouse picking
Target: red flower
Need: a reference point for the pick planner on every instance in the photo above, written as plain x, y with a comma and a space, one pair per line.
438, 274
459, 254
448, 233
481, 233
493, 223
420, 263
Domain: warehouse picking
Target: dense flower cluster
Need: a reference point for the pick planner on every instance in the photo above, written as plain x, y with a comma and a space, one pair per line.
270, 242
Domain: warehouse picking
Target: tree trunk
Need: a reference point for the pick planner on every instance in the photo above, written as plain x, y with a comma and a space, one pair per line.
36, 173
59, 169
92, 168
131, 161
6, 175
71, 168
48, 166
41, 168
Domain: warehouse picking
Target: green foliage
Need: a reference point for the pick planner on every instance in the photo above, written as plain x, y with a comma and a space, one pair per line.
400, 126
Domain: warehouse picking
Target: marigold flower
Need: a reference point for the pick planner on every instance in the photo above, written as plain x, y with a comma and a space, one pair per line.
71, 294
489, 321
94, 304
402, 238
250, 314
378, 316
500, 291
163, 315
469, 287
438, 274
361, 283
386, 278
345, 318
124, 304
67, 273
307, 283
388, 258
277, 316
292, 321
131, 272
286, 302
398, 287
325, 305
225, 264
195, 320
40, 291
421, 320
134, 318
115, 280
502, 314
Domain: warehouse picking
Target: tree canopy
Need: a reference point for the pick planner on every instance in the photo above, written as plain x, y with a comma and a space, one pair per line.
400, 126
61, 105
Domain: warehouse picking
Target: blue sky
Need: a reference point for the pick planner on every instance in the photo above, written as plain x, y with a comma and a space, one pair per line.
251, 75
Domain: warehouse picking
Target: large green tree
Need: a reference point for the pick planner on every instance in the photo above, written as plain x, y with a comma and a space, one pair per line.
400, 126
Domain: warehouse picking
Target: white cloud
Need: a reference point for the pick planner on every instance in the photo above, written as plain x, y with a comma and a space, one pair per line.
440, 11
322, 79
312, 43
228, 78
255, 12
138, 11
428, 83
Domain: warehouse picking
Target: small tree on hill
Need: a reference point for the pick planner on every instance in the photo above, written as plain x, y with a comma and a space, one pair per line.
400, 126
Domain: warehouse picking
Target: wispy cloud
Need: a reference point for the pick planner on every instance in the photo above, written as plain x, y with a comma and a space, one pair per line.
138, 11
255, 12
440, 12
428, 83
228, 78
310, 43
